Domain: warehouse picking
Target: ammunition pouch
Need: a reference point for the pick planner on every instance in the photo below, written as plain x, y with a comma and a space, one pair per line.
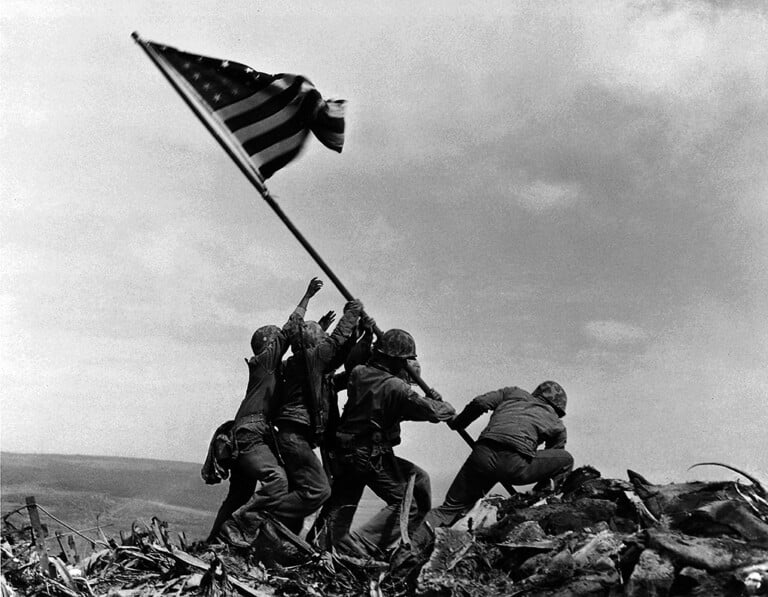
224, 449
222, 453
364, 439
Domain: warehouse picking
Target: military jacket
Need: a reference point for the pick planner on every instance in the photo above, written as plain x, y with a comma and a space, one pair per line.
519, 420
377, 402
263, 370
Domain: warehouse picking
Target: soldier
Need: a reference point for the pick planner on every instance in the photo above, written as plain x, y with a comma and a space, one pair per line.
303, 411
505, 452
378, 400
255, 460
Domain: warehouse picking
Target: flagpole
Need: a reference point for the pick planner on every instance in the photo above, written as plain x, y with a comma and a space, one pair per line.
255, 178
245, 166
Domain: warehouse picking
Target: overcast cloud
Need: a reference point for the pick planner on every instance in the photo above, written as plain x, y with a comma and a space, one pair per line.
537, 190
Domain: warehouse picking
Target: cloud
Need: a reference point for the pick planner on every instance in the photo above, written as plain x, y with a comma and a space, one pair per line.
681, 50
614, 332
541, 196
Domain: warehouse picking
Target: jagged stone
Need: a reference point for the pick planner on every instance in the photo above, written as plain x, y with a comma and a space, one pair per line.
600, 552
578, 477
591, 585
526, 532
533, 565
557, 517
675, 501
450, 546
586, 482
652, 577
754, 578
734, 515
483, 514
713, 554
552, 572
690, 579
581, 514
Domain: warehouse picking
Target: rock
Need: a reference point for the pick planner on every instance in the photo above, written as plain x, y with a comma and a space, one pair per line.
676, 501
526, 532
735, 516
533, 565
581, 514
754, 578
591, 585
713, 554
554, 572
586, 482
483, 514
577, 478
689, 579
450, 546
600, 552
652, 577
521, 545
557, 518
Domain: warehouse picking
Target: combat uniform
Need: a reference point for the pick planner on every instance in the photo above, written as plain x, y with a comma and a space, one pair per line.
377, 401
255, 460
302, 416
505, 452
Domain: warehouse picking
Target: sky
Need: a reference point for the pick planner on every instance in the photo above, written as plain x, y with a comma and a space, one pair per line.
572, 191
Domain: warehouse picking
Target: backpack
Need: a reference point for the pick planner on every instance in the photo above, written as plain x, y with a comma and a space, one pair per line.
222, 453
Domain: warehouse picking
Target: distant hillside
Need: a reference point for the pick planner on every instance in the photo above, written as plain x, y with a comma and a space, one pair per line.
120, 490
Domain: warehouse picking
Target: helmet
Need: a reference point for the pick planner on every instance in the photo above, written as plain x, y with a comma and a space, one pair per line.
263, 336
397, 344
312, 334
554, 394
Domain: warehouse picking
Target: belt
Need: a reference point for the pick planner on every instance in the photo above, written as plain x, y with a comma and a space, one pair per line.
252, 418
293, 427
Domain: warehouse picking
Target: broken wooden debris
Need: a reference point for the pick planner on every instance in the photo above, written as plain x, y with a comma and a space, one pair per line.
600, 537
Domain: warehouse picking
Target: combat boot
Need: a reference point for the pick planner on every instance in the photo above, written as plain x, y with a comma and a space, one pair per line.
231, 534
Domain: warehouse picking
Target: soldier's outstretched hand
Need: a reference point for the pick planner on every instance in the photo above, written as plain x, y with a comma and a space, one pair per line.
434, 394
367, 322
354, 306
327, 319
315, 284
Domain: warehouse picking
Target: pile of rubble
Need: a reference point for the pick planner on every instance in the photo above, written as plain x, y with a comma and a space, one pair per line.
610, 537
598, 537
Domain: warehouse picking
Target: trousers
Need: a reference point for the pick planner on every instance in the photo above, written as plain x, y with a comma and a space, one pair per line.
255, 463
387, 476
308, 485
488, 464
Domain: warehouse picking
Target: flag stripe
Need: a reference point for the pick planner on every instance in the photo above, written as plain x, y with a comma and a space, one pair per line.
261, 127
272, 88
273, 166
287, 145
268, 107
269, 138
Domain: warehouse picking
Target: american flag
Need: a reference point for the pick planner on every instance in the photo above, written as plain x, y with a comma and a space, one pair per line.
269, 116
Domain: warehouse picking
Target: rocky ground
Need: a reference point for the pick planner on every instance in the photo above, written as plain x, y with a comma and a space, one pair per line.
598, 537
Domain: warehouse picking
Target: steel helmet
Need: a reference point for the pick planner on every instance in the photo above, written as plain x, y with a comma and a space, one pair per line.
397, 344
554, 394
263, 336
